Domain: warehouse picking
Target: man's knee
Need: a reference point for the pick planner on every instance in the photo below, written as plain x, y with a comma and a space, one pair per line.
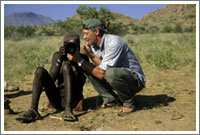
111, 75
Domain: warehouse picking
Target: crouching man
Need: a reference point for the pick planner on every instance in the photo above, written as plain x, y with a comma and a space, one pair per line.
114, 67
70, 78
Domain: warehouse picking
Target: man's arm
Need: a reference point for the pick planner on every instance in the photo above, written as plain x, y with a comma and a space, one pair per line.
95, 59
93, 70
88, 67
87, 51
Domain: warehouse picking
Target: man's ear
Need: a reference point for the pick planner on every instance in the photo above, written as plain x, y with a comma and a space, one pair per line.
97, 32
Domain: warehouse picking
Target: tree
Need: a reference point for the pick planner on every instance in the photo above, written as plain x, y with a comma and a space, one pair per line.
72, 25
106, 16
86, 12
30, 31
103, 14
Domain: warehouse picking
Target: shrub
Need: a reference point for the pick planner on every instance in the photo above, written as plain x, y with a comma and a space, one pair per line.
118, 29
189, 29
177, 29
8, 31
191, 16
47, 32
167, 29
153, 29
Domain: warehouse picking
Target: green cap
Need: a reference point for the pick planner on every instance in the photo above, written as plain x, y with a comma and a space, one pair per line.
93, 24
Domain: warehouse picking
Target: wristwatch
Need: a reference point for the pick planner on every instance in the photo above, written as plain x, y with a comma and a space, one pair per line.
80, 62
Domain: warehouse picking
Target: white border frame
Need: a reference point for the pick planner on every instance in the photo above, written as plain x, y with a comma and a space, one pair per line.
100, 2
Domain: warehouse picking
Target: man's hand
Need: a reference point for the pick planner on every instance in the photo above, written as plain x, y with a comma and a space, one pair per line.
86, 49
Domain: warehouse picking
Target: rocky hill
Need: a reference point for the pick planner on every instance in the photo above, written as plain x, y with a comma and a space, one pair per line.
171, 15
27, 18
125, 19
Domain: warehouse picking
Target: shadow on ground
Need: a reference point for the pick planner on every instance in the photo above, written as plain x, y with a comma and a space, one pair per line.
141, 101
17, 94
149, 102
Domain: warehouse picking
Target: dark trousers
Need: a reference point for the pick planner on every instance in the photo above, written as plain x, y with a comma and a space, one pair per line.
123, 81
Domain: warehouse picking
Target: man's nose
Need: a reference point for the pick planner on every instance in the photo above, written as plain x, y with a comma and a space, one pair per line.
84, 37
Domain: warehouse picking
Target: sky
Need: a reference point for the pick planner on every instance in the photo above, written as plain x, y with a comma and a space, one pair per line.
63, 11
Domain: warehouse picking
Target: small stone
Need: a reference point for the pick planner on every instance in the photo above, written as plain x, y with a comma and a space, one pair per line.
12, 88
158, 122
177, 116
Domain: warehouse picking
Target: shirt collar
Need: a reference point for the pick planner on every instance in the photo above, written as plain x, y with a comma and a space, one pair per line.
101, 44
102, 41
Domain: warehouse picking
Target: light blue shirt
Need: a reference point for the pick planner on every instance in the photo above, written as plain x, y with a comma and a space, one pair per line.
114, 52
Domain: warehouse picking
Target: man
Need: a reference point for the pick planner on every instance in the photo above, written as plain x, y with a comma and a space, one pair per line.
114, 66
70, 79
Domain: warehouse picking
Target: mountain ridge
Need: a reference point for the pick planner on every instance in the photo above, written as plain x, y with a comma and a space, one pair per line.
27, 18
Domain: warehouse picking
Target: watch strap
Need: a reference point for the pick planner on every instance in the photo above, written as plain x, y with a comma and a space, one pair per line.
81, 62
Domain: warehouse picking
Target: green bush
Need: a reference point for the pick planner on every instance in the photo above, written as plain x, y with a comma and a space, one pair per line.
47, 32
167, 29
189, 29
191, 16
118, 29
8, 31
136, 29
153, 29
19, 32
177, 29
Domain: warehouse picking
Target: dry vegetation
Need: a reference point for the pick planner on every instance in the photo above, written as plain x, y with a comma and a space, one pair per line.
168, 103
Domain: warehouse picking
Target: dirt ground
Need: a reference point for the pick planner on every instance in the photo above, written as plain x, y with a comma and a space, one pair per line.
168, 105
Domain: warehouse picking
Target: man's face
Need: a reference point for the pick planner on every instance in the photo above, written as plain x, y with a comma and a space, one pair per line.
90, 36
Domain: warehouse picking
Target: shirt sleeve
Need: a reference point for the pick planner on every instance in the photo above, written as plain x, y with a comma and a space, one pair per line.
113, 51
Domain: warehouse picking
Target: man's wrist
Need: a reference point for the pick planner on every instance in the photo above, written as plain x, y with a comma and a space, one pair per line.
92, 56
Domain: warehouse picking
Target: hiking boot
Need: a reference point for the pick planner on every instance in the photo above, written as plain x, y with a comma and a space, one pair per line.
30, 116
